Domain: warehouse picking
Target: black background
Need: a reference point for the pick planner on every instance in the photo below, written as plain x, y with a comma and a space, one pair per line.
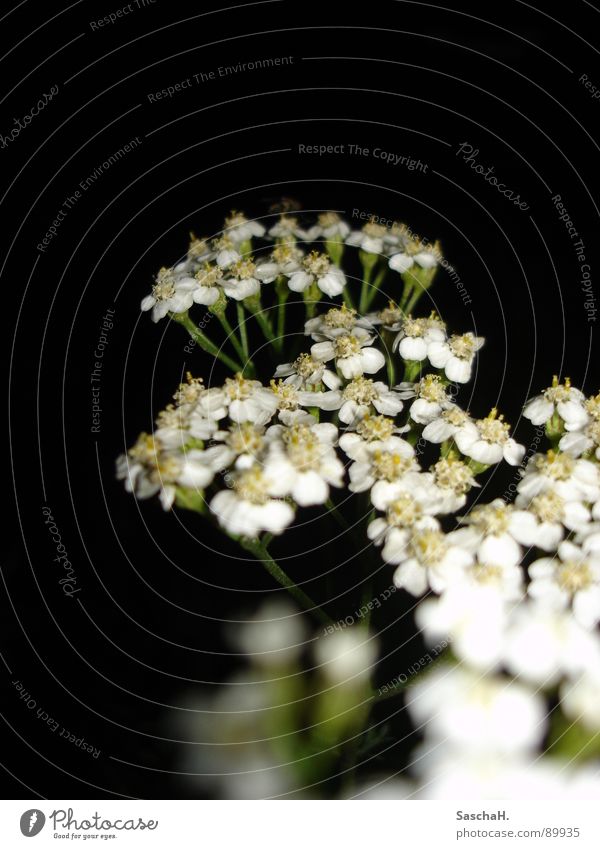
117, 662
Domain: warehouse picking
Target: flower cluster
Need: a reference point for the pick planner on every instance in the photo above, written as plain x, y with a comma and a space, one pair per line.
371, 405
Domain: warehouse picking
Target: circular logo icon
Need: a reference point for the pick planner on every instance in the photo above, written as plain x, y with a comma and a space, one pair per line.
32, 822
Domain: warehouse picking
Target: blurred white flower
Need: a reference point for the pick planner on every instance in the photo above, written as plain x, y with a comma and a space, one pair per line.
572, 577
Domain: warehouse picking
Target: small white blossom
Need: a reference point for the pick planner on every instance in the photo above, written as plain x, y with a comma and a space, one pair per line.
363, 395
452, 480
487, 441
416, 335
431, 396
171, 293
252, 505
249, 400
572, 479
429, 560
371, 238
415, 253
455, 355
318, 268
577, 443
243, 278
303, 459
352, 353
330, 227
387, 461
371, 429
446, 425
306, 372
337, 321
240, 229
543, 518
560, 398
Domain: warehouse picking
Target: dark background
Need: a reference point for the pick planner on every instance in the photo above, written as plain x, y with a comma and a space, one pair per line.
144, 632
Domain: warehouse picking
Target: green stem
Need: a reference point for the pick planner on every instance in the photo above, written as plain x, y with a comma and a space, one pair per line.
260, 551
263, 322
281, 302
391, 367
416, 295
232, 337
376, 285
348, 298
368, 266
204, 342
241, 319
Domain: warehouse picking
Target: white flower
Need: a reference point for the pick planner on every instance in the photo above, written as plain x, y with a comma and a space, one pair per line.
453, 479
370, 429
481, 713
446, 425
302, 458
559, 398
409, 510
252, 505
352, 353
490, 530
487, 441
429, 560
431, 398
588, 536
149, 467
416, 254
362, 395
290, 399
542, 518
503, 576
390, 317
287, 229
571, 578
285, 259
239, 229
318, 268
370, 239
337, 321
171, 293
330, 227
580, 700
573, 479
273, 637
387, 462
307, 372
207, 290
243, 443
249, 400
225, 251
455, 355
416, 335
346, 657
577, 443
473, 616
542, 645
242, 279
